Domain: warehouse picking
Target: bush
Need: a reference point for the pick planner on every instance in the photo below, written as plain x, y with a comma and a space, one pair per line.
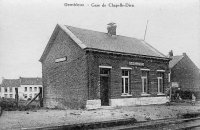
9, 104
186, 94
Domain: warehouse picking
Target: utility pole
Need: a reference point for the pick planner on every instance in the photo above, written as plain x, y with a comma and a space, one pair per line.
145, 30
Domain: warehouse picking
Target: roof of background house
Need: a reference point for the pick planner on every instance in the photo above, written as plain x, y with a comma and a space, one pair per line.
30, 81
10, 83
88, 39
175, 60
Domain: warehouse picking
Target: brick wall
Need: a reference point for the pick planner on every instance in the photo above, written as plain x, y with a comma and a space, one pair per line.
65, 83
118, 61
186, 74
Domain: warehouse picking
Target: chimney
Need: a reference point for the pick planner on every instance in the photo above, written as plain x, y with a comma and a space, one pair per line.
111, 28
2, 78
184, 54
171, 53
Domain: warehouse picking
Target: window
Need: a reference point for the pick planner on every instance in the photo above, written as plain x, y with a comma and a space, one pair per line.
6, 90
104, 71
10, 89
125, 81
160, 77
25, 95
25, 89
5, 95
145, 85
30, 89
61, 59
30, 96
169, 77
11, 95
35, 89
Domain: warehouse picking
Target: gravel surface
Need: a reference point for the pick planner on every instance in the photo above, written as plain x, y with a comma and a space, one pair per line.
42, 118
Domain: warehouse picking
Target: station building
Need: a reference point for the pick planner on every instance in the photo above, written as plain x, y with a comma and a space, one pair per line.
84, 68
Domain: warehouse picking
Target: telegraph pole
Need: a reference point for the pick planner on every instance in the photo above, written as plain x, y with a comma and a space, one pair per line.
145, 30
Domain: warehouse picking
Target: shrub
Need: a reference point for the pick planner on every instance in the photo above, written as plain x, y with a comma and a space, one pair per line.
9, 104
186, 94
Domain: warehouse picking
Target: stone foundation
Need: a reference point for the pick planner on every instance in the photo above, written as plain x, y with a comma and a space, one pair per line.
93, 104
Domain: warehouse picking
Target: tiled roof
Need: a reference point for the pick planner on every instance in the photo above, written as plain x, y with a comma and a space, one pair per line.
102, 41
10, 83
30, 81
175, 60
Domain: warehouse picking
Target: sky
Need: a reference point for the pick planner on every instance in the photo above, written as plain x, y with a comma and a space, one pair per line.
26, 26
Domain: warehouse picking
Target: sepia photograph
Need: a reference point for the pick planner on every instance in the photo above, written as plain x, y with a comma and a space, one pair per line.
99, 64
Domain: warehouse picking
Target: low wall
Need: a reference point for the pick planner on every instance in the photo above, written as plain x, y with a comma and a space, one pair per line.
93, 104
138, 101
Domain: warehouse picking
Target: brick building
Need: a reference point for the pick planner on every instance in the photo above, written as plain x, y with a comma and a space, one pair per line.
85, 68
184, 73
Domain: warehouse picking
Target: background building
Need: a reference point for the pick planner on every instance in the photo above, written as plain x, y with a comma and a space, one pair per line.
8, 86
184, 73
27, 87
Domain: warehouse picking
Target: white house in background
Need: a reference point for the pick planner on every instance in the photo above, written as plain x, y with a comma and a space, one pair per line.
27, 87
8, 86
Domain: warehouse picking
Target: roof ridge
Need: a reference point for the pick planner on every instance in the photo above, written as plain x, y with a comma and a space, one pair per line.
85, 29
30, 77
100, 32
10, 79
178, 55
73, 36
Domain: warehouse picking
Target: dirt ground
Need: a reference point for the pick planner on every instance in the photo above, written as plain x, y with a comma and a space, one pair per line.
42, 118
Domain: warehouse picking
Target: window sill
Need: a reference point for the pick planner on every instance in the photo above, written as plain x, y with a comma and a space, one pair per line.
145, 94
161, 94
126, 95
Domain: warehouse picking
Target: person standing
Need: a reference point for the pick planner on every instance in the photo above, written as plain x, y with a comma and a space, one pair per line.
193, 99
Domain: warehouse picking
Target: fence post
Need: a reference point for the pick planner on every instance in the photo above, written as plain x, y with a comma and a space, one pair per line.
40, 97
16, 96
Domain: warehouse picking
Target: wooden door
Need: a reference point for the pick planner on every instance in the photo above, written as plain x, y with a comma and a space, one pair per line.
104, 81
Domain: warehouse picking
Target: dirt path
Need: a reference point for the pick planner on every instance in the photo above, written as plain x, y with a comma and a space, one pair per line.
39, 118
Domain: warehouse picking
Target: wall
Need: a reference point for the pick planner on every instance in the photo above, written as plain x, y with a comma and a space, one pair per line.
118, 61
22, 92
65, 83
186, 74
2, 92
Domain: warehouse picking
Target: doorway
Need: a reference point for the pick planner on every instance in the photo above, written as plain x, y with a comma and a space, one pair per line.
104, 86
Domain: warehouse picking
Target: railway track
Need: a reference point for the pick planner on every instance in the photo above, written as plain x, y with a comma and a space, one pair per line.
189, 121
169, 124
